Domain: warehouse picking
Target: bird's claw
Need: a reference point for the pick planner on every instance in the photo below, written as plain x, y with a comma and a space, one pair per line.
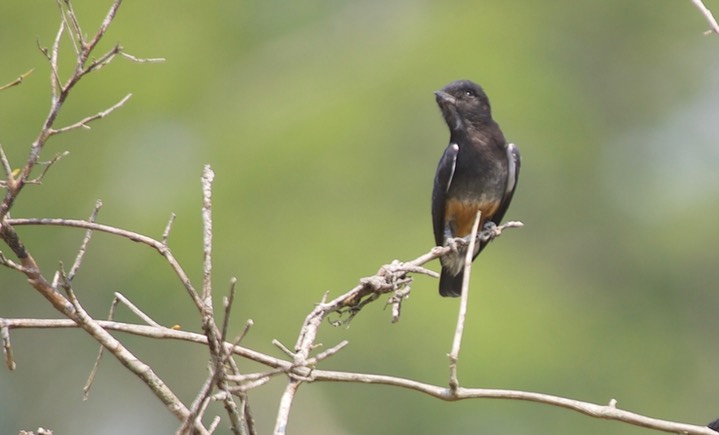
489, 232
457, 243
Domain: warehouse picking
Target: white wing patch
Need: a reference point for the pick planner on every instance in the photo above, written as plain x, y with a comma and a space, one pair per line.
455, 152
512, 165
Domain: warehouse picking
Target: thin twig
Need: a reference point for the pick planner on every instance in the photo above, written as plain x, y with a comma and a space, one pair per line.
83, 246
69, 306
607, 412
168, 228
390, 278
70, 19
130, 235
228, 308
215, 337
283, 348
253, 377
135, 310
83, 123
54, 69
242, 388
213, 424
100, 353
248, 324
156, 332
283, 413
7, 345
4, 261
207, 177
142, 60
459, 330
327, 353
714, 26
440, 392
103, 60
18, 80
7, 168
199, 404
88, 47
132, 362
47, 165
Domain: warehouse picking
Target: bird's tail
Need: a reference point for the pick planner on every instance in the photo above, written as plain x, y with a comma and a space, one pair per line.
450, 285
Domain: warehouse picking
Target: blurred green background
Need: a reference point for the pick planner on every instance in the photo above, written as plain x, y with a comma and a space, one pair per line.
319, 121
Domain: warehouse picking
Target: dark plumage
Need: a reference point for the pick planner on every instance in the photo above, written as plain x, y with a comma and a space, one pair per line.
478, 171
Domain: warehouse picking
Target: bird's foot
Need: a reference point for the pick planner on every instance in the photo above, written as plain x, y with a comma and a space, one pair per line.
457, 243
489, 232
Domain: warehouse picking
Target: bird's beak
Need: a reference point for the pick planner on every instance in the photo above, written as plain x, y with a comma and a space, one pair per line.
444, 98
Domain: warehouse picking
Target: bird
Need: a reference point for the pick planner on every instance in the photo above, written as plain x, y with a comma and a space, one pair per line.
477, 172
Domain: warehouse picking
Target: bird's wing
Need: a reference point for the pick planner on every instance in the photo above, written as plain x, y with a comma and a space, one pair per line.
442, 181
514, 162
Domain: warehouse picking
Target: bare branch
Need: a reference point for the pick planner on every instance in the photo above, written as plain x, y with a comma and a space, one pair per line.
315, 375
100, 352
228, 308
135, 237
135, 310
88, 47
396, 301
118, 298
4, 261
714, 26
283, 348
103, 60
157, 332
245, 381
245, 330
207, 177
83, 123
457, 342
83, 247
213, 425
283, 414
18, 80
129, 360
60, 91
219, 356
6, 345
607, 412
70, 20
7, 168
327, 353
199, 404
142, 60
47, 165
53, 58
168, 228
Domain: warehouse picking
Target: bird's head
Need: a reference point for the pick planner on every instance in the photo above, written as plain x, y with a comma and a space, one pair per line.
464, 103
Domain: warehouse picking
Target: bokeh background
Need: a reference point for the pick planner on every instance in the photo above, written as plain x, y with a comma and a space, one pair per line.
319, 121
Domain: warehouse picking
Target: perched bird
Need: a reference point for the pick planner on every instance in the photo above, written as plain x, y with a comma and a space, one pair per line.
478, 171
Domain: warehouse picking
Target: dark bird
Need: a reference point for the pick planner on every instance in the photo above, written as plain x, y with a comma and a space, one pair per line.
478, 171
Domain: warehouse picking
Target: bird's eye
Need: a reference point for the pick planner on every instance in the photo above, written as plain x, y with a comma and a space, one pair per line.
469, 93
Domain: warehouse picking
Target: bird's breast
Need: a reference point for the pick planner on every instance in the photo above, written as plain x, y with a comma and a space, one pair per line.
459, 214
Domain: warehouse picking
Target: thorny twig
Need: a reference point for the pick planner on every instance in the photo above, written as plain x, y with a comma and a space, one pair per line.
390, 278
